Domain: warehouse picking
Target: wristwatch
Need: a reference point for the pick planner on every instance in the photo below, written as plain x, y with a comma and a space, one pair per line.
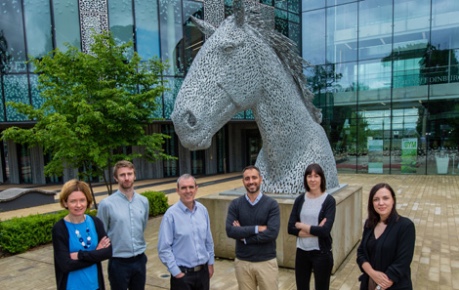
378, 287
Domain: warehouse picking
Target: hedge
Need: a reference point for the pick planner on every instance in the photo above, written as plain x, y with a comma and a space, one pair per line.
18, 235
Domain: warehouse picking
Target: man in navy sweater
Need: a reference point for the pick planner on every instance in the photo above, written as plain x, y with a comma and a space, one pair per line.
253, 220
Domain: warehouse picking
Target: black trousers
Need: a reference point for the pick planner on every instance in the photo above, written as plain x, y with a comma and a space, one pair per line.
192, 280
308, 261
128, 273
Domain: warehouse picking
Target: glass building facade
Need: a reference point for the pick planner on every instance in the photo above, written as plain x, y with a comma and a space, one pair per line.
384, 72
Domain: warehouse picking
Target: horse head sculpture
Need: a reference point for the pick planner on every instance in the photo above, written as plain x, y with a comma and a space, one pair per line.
246, 65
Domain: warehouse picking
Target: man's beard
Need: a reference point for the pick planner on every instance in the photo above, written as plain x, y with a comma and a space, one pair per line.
257, 188
130, 185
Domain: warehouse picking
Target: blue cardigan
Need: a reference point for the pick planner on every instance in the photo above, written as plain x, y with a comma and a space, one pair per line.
394, 253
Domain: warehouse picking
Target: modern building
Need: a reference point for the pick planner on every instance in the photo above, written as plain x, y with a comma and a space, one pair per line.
384, 72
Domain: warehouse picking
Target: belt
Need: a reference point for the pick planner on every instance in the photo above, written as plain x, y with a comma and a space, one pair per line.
129, 259
193, 269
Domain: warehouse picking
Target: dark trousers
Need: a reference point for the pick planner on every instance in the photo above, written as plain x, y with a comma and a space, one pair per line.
319, 262
192, 281
128, 273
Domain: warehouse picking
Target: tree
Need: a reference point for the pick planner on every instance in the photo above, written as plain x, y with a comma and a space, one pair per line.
94, 104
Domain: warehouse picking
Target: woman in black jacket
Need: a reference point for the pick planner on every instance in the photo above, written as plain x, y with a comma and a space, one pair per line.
79, 241
387, 245
311, 220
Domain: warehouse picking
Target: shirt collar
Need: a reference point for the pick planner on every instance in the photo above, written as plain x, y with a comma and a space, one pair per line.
184, 208
256, 200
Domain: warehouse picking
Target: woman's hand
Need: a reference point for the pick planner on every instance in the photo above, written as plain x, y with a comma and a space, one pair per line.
104, 243
381, 279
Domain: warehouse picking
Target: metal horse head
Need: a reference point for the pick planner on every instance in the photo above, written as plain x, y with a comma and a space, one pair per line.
246, 65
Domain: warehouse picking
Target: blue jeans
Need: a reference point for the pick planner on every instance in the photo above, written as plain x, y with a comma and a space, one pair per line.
128, 273
308, 261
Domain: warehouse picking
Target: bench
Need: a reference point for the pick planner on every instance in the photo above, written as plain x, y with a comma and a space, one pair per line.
18, 198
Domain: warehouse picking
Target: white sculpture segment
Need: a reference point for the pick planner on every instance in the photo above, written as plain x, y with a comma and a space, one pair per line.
245, 64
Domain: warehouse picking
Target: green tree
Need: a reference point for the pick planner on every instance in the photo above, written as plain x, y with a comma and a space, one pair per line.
94, 105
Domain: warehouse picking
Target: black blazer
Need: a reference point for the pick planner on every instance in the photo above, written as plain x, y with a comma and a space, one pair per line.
328, 211
63, 264
394, 253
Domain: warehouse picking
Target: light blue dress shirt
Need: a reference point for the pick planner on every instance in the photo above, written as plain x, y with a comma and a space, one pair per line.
185, 238
125, 222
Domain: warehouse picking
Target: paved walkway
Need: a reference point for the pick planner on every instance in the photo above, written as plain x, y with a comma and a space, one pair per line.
430, 201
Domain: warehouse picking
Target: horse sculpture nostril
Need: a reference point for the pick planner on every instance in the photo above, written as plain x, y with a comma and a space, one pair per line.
191, 119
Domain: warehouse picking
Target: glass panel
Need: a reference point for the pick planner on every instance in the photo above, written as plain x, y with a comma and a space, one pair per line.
66, 23
147, 28
38, 27
174, 85
375, 28
222, 158
171, 25
411, 34
16, 90
342, 33
294, 6
405, 140
2, 105
37, 99
374, 129
294, 33
121, 19
266, 2
254, 143
339, 136
25, 170
313, 28
312, 4
193, 38
345, 78
442, 136
281, 22
198, 160
12, 49
170, 167
5, 165
280, 4
375, 75
158, 113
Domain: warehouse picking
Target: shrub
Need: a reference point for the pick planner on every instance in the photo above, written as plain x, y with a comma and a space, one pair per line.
17, 235
158, 202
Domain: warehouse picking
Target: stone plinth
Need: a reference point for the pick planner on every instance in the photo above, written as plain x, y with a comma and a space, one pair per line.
346, 231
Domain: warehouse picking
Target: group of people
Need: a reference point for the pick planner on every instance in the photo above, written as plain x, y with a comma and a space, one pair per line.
186, 248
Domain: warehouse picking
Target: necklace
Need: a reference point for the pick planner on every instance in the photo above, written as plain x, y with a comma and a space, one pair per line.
80, 238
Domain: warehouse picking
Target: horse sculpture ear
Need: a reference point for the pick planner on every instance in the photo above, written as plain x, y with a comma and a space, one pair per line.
203, 26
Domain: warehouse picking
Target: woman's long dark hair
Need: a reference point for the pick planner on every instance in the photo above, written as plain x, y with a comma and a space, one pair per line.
373, 217
317, 169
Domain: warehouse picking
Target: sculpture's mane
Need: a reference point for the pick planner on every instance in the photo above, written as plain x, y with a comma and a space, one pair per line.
287, 51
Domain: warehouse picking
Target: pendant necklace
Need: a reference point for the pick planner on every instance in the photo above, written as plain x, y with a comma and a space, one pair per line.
80, 238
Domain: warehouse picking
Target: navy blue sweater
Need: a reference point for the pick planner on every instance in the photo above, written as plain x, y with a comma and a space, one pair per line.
250, 246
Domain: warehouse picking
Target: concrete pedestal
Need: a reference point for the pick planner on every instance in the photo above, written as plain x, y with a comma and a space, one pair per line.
346, 231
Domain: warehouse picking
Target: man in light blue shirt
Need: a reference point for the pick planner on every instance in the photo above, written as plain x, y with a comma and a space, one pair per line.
125, 215
185, 242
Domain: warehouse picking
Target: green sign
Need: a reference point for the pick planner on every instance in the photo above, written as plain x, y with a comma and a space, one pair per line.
409, 155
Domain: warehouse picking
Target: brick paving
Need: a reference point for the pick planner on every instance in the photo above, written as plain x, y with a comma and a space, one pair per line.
430, 201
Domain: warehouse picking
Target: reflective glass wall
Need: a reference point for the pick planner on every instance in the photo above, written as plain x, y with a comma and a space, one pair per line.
386, 77
32, 28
